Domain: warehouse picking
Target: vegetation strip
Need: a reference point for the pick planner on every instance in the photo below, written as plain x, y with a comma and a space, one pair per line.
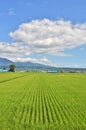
12, 79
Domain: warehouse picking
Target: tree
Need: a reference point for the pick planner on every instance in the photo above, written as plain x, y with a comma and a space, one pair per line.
12, 68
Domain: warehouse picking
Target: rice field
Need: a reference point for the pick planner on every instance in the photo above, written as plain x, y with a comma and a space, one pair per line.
42, 101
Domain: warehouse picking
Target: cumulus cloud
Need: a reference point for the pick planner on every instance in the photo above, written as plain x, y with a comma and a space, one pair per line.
21, 53
43, 60
14, 50
43, 37
50, 37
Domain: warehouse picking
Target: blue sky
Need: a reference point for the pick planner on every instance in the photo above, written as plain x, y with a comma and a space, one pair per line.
52, 32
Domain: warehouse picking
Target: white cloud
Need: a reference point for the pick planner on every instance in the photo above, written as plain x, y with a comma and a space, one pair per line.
43, 37
14, 50
50, 37
20, 52
43, 60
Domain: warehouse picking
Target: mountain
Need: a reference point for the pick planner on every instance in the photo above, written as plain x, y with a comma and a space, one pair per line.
5, 62
23, 66
29, 66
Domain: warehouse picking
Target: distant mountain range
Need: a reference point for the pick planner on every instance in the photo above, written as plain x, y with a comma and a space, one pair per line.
23, 66
29, 66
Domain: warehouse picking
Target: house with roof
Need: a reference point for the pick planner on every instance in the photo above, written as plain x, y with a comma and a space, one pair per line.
52, 71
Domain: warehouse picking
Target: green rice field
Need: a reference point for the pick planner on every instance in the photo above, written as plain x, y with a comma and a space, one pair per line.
42, 101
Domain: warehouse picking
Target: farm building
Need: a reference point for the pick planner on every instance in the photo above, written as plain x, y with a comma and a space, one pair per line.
52, 71
2, 70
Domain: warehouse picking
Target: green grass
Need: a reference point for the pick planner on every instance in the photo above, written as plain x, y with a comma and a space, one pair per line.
42, 101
